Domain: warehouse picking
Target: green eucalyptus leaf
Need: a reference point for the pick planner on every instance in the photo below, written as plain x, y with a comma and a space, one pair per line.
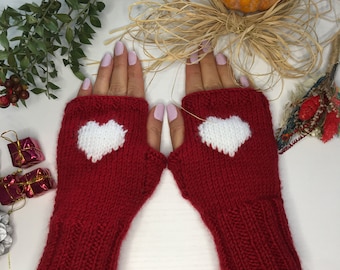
52, 96
64, 50
12, 62
69, 34
83, 38
52, 86
34, 71
30, 8
73, 4
31, 19
39, 30
53, 74
30, 78
100, 6
95, 21
4, 40
24, 62
23, 102
88, 29
3, 55
38, 90
66, 62
51, 24
78, 74
12, 12
65, 18
77, 53
32, 47
2, 75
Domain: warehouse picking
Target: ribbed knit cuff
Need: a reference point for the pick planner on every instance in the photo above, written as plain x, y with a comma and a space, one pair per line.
253, 236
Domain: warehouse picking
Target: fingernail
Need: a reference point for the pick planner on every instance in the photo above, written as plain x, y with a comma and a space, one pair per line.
220, 59
106, 61
194, 58
86, 84
206, 46
171, 111
159, 112
119, 48
244, 81
132, 58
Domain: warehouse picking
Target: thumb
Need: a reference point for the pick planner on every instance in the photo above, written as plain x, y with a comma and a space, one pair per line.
176, 125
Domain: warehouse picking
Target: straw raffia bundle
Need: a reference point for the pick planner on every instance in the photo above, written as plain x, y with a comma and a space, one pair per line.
283, 36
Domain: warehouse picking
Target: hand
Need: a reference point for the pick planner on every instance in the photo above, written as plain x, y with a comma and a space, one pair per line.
210, 73
122, 75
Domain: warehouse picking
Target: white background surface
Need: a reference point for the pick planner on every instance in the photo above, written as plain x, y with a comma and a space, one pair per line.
168, 233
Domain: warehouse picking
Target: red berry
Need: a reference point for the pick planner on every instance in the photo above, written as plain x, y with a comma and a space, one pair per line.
15, 79
24, 94
9, 92
4, 102
17, 89
13, 98
8, 83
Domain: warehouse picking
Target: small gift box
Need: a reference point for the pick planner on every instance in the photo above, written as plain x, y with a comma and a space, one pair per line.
24, 153
11, 190
36, 182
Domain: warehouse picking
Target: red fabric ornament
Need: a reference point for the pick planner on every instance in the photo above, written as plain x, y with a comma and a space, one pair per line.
331, 126
309, 107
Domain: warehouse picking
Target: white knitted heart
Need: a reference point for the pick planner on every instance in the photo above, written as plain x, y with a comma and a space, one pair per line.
98, 140
224, 135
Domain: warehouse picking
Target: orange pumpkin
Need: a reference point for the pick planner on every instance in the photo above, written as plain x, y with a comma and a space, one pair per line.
248, 6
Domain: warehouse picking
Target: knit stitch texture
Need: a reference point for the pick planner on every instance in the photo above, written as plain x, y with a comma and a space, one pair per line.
233, 180
101, 188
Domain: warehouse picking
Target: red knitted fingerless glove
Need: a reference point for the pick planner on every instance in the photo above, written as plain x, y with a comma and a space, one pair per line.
227, 168
106, 171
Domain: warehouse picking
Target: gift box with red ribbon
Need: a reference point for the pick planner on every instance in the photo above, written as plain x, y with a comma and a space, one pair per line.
36, 182
11, 190
24, 152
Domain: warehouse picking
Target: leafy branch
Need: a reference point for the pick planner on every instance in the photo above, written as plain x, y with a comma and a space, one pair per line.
31, 35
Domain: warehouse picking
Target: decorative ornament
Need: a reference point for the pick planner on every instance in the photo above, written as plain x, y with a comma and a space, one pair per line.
248, 6
25, 152
6, 232
317, 112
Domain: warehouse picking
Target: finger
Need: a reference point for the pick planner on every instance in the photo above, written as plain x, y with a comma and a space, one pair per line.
193, 76
176, 125
102, 83
244, 81
225, 71
135, 84
118, 84
210, 76
85, 88
154, 126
